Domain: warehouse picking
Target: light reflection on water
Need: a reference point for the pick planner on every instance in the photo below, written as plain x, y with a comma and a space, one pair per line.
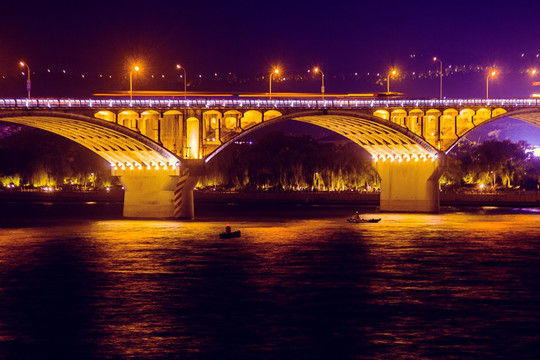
462, 284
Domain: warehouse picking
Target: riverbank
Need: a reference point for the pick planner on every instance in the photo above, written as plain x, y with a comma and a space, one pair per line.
62, 196
513, 199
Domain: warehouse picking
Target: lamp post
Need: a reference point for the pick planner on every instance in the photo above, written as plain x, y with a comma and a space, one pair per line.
28, 82
276, 71
322, 78
180, 67
136, 68
441, 75
492, 73
393, 72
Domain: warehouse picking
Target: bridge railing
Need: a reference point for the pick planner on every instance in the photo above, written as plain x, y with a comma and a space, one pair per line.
258, 103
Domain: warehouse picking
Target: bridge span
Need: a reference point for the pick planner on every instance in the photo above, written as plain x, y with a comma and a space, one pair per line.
157, 147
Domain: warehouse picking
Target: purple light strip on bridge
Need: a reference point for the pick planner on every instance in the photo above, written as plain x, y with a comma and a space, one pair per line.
256, 103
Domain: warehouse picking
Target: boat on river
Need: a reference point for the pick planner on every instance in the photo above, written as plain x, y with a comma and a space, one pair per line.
229, 234
361, 220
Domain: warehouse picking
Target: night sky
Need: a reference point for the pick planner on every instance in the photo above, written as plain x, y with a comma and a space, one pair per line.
233, 44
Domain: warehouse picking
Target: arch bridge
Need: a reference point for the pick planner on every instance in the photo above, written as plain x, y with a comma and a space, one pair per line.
157, 147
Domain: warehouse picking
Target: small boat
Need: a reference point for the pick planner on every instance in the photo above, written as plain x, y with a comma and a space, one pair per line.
360, 220
228, 235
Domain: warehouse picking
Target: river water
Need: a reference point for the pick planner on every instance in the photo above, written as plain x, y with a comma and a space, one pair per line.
80, 282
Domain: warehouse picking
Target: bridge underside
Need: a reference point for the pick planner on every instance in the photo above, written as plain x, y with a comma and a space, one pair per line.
407, 166
149, 173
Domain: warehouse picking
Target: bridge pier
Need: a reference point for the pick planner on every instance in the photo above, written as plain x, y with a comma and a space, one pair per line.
409, 186
160, 193
157, 193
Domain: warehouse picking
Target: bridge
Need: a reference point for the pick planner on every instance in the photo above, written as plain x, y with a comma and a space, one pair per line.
157, 147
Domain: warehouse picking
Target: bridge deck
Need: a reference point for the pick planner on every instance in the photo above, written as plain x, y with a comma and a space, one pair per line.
260, 103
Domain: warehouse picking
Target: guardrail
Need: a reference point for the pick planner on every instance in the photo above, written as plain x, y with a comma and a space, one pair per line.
257, 103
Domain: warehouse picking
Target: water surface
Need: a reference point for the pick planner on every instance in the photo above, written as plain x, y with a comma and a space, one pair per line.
301, 283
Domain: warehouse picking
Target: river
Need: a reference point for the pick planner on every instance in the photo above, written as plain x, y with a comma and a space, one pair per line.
78, 281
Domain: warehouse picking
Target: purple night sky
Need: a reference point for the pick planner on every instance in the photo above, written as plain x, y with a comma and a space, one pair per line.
77, 49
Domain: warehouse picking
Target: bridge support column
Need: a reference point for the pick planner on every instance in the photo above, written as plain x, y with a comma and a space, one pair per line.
148, 193
158, 193
409, 186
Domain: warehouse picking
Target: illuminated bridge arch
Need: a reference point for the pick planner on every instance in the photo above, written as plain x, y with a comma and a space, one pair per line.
382, 139
121, 147
531, 116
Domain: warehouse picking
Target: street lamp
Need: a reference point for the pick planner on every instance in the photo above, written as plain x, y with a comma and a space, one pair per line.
492, 73
322, 77
441, 75
136, 68
180, 67
276, 71
28, 82
394, 73
534, 72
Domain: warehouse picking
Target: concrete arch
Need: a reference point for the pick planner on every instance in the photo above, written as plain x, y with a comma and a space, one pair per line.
382, 139
121, 147
497, 112
106, 115
129, 119
270, 114
414, 121
448, 132
431, 126
481, 115
398, 117
250, 119
526, 115
149, 124
212, 116
231, 119
172, 112
172, 130
383, 114
211, 126
464, 121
